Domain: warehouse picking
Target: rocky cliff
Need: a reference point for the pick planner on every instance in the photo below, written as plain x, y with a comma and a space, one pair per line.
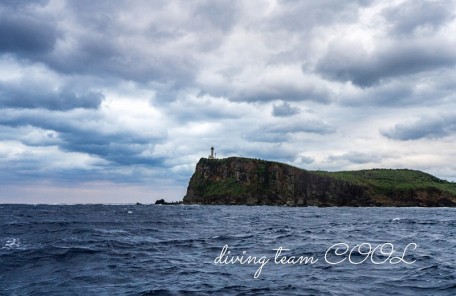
244, 181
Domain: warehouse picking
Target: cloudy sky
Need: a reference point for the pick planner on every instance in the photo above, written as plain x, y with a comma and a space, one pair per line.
116, 101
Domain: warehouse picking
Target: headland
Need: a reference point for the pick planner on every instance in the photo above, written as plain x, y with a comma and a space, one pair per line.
246, 181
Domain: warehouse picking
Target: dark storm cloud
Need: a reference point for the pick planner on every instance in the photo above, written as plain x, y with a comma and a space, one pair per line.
282, 91
426, 127
414, 41
29, 169
101, 57
344, 63
26, 35
81, 133
100, 39
429, 89
101, 44
90, 57
398, 93
285, 109
271, 91
33, 95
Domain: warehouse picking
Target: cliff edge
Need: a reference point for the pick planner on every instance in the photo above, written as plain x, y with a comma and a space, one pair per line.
245, 181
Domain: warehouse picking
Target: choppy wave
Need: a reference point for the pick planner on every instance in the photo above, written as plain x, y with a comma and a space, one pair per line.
151, 250
11, 244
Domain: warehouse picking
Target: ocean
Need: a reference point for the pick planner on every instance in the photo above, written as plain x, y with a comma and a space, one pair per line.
226, 250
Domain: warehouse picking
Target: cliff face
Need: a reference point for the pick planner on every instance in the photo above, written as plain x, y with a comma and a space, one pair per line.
245, 181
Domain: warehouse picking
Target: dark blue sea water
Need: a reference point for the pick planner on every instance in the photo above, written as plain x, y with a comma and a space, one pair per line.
170, 250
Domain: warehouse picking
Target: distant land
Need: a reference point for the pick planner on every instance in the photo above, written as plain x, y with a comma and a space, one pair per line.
246, 181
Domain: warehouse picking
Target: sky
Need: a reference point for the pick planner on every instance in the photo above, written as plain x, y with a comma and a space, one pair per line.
116, 101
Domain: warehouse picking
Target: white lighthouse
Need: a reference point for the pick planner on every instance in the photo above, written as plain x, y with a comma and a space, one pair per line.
211, 156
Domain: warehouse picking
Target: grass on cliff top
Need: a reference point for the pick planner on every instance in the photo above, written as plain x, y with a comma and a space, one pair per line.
389, 179
383, 180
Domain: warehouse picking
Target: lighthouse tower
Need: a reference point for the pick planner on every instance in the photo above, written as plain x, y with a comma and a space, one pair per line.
211, 156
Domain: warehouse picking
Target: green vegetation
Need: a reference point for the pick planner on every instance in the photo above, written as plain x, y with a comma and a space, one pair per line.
237, 180
217, 187
377, 181
222, 187
387, 180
